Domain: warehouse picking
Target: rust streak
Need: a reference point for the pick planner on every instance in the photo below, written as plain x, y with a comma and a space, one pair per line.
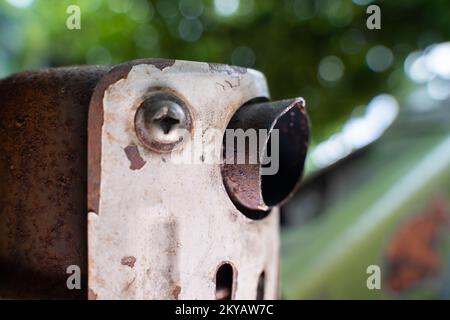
136, 161
176, 292
127, 287
92, 295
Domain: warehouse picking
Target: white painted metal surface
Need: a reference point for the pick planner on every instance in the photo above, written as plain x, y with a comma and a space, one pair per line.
163, 230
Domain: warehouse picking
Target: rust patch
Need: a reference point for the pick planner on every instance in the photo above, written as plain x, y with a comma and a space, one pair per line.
176, 292
136, 161
412, 254
92, 295
43, 119
128, 261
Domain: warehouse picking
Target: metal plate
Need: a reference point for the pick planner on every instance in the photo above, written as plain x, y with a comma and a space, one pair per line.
160, 230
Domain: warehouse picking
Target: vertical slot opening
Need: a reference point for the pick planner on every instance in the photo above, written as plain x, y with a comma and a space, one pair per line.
224, 282
260, 288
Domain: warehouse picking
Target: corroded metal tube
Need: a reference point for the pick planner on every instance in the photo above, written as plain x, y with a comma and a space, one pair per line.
246, 183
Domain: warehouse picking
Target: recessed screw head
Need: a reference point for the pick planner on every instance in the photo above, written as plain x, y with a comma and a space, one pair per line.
162, 122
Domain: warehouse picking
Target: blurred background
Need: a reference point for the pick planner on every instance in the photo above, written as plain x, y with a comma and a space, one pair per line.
376, 188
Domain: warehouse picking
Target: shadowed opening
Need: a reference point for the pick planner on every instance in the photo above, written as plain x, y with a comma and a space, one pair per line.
291, 157
260, 288
224, 282
273, 164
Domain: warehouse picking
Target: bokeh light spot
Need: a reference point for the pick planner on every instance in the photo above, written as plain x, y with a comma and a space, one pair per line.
305, 9
438, 89
362, 2
352, 41
191, 8
146, 37
379, 58
243, 56
20, 3
416, 68
141, 11
120, 6
226, 7
358, 131
190, 29
98, 55
438, 59
340, 13
331, 69
167, 9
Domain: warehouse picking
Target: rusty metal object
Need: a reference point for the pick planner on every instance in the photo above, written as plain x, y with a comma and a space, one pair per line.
43, 175
245, 183
169, 233
412, 254
138, 241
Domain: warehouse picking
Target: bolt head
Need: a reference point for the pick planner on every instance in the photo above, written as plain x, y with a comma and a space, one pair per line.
162, 122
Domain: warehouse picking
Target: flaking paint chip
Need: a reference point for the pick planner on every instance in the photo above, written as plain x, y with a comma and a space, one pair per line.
136, 161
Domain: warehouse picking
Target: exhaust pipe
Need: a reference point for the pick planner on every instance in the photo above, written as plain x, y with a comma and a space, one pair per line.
257, 186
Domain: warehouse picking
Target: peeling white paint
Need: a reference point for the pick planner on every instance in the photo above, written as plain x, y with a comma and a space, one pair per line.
176, 219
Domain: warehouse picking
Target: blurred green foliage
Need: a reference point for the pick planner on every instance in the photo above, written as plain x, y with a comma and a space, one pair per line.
285, 39
365, 206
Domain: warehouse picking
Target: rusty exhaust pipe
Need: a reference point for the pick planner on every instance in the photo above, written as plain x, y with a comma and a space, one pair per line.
251, 190
71, 154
